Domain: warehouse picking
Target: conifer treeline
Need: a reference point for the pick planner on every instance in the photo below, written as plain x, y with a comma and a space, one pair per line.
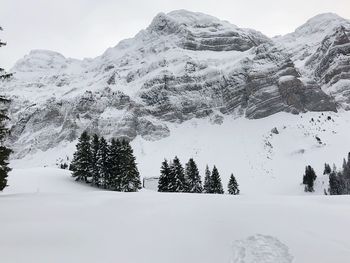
174, 178
339, 181
108, 166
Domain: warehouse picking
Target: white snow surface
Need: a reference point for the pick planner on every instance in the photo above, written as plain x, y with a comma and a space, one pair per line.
48, 217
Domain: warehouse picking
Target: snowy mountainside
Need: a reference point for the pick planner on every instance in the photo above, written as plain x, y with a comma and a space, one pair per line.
263, 161
184, 66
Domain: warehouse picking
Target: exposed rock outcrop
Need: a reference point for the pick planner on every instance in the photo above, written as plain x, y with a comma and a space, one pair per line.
184, 65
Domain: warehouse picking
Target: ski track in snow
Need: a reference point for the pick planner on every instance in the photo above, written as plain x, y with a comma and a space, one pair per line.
260, 249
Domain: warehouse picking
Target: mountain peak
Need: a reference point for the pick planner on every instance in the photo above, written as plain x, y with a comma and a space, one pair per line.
183, 16
322, 23
324, 17
177, 19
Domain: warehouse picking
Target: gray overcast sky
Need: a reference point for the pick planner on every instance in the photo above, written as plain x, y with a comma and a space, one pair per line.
86, 28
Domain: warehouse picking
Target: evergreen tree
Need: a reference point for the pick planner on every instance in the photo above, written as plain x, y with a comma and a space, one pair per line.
207, 187
233, 186
115, 157
177, 181
163, 183
130, 180
81, 163
171, 179
103, 164
95, 144
193, 179
216, 182
327, 169
4, 150
346, 168
309, 179
336, 184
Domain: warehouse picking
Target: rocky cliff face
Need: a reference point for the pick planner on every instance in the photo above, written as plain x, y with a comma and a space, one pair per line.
184, 65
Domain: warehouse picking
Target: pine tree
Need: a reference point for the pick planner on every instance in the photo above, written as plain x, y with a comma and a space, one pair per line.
346, 168
309, 179
95, 144
233, 186
193, 179
171, 179
336, 183
177, 174
103, 164
130, 180
81, 163
216, 182
207, 187
4, 150
327, 169
163, 183
115, 157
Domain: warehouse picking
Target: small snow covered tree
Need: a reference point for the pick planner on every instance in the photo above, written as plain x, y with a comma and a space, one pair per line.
4, 150
216, 182
81, 163
163, 182
115, 156
130, 179
309, 179
177, 177
192, 177
207, 187
103, 164
233, 186
95, 143
327, 169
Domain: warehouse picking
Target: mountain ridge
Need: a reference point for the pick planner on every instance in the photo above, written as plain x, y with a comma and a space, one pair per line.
184, 65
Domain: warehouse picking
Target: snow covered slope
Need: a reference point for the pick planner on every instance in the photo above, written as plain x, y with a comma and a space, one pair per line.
184, 65
85, 225
262, 161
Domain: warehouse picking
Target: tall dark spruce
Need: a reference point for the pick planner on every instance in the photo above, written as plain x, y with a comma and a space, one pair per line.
309, 179
130, 177
82, 159
95, 144
103, 164
177, 177
207, 187
216, 182
233, 186
115, 164
164, 178
4, 150
193, 179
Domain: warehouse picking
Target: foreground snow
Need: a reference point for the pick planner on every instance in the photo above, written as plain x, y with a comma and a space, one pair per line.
47, 217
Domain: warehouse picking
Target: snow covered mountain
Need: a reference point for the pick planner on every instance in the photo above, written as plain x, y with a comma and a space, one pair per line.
185, 65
